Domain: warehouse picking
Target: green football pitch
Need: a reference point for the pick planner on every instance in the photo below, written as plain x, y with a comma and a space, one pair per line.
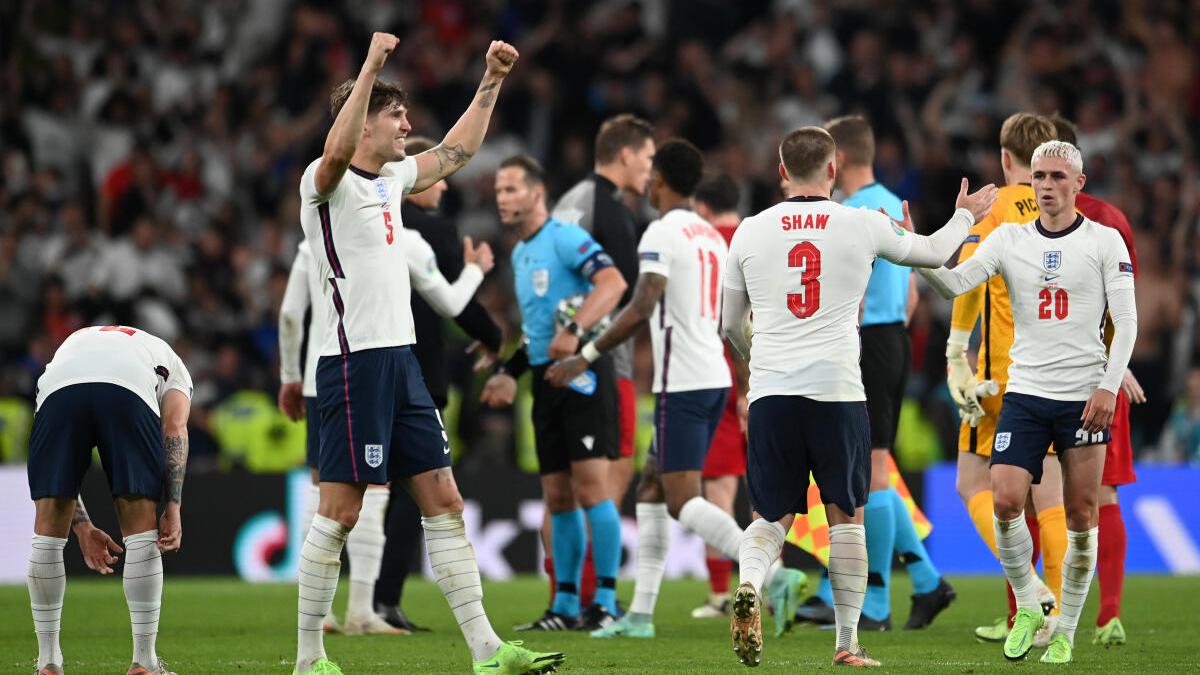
224, 626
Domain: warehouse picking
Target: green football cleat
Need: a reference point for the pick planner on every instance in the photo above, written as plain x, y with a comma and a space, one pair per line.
321, 667
513, 659
1110, 634
786, 593
1058, 651
1020, 639
626, 626
993, 633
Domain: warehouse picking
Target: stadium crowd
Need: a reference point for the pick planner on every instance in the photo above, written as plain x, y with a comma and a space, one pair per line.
150, 152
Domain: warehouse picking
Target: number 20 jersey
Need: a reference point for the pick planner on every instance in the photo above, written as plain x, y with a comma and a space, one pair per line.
805, 263
690, 253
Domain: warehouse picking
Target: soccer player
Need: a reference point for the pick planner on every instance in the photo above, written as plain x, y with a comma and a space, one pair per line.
297, 399
623, 152
573, 430
716, 201
890, 300
126, 393
990, 306
378, 422
1063, 271
1118, 459
802, 267
678, 294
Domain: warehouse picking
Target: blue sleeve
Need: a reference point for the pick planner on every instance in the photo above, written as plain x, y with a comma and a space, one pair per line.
578, 251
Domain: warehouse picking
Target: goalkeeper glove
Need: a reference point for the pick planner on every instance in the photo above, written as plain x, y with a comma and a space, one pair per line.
960, 379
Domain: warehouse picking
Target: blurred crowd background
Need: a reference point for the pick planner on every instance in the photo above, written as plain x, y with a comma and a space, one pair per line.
150, 153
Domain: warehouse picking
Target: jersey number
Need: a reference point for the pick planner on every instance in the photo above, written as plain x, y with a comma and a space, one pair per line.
805, 304
709, 291
1057, 298
387, 222
119, 329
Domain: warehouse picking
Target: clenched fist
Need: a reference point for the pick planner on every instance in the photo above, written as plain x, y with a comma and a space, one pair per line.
382, 44
500, 58
481, 255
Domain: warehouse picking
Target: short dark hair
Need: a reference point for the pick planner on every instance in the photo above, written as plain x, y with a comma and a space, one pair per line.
805, 151
1022, 132
534, 173
854, 137
718, 193
680, 164
1065, 129
384, 93
415, 145
623, 131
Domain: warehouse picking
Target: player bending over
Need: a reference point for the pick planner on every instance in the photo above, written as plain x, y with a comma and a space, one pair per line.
1062, 270
802, 268
378, 422
126, 393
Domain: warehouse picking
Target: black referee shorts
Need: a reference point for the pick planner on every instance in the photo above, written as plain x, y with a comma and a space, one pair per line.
576, 422
886, 357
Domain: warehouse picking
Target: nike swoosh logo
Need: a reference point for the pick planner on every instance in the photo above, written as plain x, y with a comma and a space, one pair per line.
493, 664
1048, 278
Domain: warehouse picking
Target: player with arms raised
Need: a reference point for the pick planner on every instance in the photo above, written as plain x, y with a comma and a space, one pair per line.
1063, 271
126, 393
802, 268
378, 421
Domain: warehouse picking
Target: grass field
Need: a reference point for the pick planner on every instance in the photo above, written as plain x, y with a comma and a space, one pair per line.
212, 626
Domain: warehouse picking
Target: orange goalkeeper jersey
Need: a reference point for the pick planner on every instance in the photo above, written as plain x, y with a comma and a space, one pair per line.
989, 301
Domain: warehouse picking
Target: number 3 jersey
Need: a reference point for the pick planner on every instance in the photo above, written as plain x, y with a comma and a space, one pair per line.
684, 328
805, 263
356, 242
1059, 284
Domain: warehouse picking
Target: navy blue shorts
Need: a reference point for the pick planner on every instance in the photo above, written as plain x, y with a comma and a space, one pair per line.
378, 421
1028, 425
684, 424
109, 417
791, 436
312, 440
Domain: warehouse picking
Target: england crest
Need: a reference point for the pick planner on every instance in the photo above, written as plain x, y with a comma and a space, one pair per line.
541, 282
374, 455
1002, 441
1052, 260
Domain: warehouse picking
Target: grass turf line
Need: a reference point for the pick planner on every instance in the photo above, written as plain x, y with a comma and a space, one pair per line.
212, 626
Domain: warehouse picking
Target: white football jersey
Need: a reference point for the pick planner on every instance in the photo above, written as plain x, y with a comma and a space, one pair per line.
805, 263
128, 357
356, 240
1058, 283
318, 320
684, 328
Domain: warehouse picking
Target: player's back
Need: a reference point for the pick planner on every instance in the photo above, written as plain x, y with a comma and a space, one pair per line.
128, 357
806, 262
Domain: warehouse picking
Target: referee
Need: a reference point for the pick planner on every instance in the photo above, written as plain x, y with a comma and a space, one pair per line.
887, 306
401, 553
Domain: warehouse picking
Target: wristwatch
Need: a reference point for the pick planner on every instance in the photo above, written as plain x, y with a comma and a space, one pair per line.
573, 328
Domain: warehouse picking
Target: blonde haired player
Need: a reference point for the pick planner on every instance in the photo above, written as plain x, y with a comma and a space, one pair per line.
1063, 271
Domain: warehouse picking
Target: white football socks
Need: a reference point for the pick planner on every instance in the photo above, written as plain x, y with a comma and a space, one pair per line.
310, 507
759, 552
364, 546
320, 562
143, 582
717, 528
654, 538
47, 583
1078, 568
847, 580
1015, 545
453, 561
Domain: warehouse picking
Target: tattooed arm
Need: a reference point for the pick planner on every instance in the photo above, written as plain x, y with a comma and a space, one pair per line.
80, 518
465, 137
175, 409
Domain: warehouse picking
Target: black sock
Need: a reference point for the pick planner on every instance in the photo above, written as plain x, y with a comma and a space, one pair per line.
402, 552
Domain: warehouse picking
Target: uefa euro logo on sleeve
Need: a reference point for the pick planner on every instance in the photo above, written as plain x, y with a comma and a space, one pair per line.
374, 455
1052, 260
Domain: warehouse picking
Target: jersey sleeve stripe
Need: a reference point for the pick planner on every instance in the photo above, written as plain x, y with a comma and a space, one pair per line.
327, 235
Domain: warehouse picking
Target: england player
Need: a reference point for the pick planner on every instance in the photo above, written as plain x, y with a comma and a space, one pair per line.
678, 295
126, 393
1063, 271
716, 201
802, 267
573, 427
378, 422
298, 399
889, 302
